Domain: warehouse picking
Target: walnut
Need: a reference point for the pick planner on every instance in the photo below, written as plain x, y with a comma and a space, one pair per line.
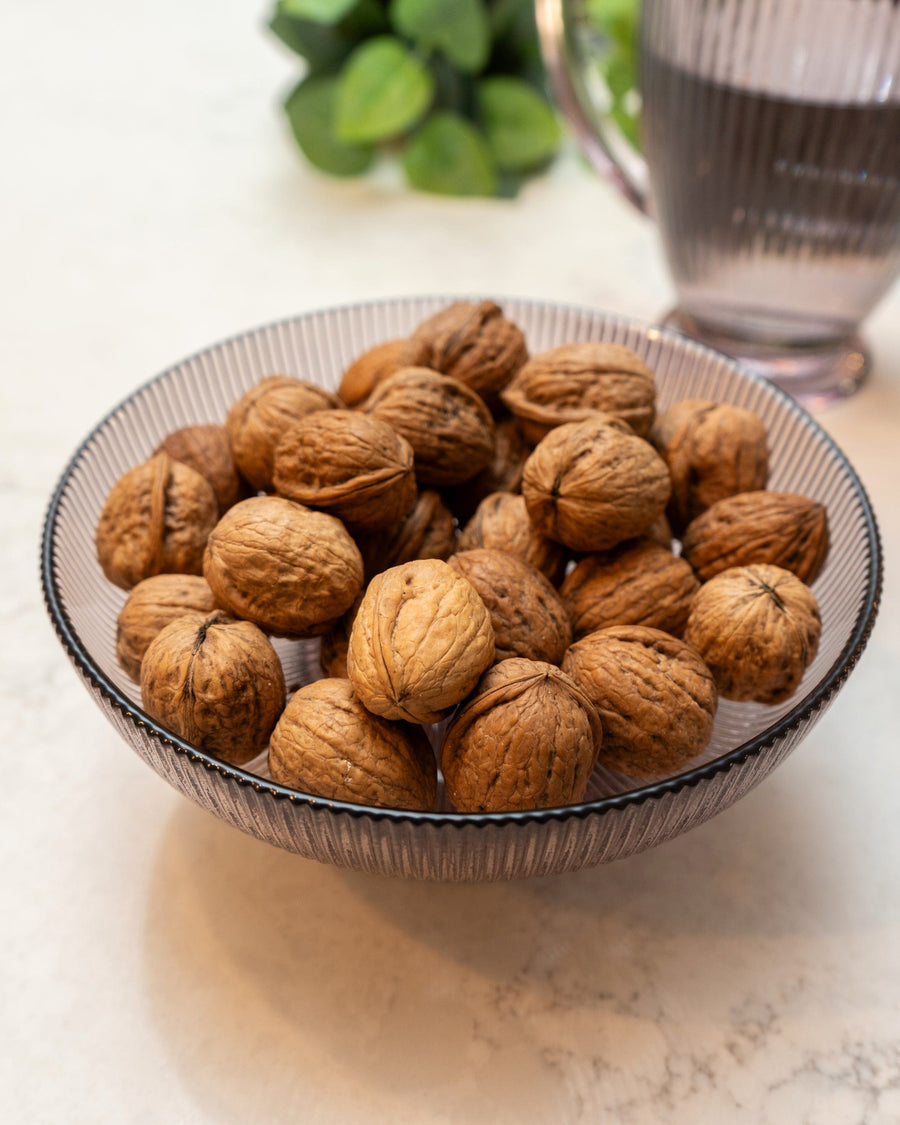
156, 519
655, 697
527, 738
502, 474
502, 523
636, 583
334, 643
448, 426
261, 417
152, 604
420, 641
590, 485
713, 450
474, 343
290, 570
215, 682
758, 628
207, 450
573, 381
781, 528
427, 532
527, 615
328, 744
371, 368
351, 465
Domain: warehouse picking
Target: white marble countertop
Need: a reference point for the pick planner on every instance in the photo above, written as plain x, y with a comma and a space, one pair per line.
160, 966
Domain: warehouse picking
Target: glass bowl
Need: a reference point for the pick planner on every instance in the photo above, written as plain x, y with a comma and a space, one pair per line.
619, 816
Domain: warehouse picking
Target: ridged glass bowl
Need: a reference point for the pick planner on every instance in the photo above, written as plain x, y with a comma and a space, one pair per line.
619, 817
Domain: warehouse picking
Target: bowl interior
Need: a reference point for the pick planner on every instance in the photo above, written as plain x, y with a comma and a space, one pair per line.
318, 346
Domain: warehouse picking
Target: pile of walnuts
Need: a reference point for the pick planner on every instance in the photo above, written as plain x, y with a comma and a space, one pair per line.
476, 536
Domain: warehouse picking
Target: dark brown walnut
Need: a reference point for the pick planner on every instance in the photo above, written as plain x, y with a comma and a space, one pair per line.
758, 629
261, 417
326, 743
150, 607
527, 615
636, 583
590, 485
334, 643
573, 381
290, 570
427, 532
156, 520
215, 682
661, 532
713, 450
655, 697
351, 465
448, 426
780, 528
421, 639
207, 450
502, 523
474, 343
371, 368
527, 738
502, 474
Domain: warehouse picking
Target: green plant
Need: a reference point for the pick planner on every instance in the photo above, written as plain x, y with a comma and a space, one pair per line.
617, 22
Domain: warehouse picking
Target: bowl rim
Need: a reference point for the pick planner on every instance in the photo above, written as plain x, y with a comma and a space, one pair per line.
816, 700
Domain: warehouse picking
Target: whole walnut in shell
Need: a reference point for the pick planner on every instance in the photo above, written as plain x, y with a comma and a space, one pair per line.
426, 532
636, 583
501, 522
216, 682
328, 744
590, 485
421, 639
503, 473
290, 570
527, 738
156, 519
527, 615
371, 368
448, 426
758, 629
655, 697
207, 450
473, 342
351, 465
780, 528
263, 415
713, 450
152, 605
573, 381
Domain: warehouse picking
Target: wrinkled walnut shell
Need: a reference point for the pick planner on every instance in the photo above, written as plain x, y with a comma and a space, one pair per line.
328, 744
207, 450
421, 639
156, 520
780, 528
758, 629
502, 474
590, 485
290, 570
502, 523
215, 682
655, 697
574, 381
150, 607
371, 368
427, 532
527, 738
527, 615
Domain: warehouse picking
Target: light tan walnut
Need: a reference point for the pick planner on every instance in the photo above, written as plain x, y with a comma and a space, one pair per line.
758, 629
426, 532
501, 522
326, 743
215, 682
290, 570
371, 368
421, 639
207, 450
527, 738
152, 605
655, 697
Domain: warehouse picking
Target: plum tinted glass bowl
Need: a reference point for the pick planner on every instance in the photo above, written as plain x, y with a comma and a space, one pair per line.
620, 816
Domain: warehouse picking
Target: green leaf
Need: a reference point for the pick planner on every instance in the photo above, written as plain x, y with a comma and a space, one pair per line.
310, 111
458, 28
618, 18
320, 11
383, 90
520, 126
448, 155
325, 46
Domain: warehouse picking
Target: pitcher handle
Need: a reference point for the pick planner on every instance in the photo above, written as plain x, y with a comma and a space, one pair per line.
625, 168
